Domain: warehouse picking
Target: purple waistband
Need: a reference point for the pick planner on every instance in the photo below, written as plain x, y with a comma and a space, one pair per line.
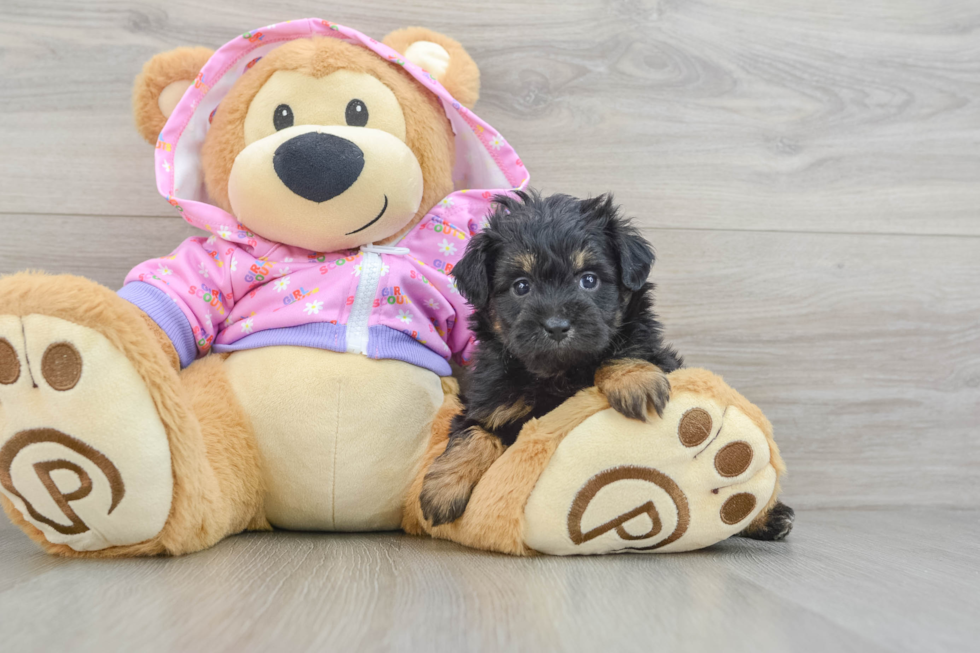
383, 343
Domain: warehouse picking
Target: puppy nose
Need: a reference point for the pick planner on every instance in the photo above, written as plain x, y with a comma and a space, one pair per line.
557, 328
318, 167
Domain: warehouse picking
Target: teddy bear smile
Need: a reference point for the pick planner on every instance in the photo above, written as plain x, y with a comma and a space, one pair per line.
383, 209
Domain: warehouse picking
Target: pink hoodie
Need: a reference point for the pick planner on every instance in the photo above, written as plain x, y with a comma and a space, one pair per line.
235, 290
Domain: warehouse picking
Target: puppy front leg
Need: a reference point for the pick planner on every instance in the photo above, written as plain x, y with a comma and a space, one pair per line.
452, 476
633, 387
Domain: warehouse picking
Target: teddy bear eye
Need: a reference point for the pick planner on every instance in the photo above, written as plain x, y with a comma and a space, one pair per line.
283, 117
357, 113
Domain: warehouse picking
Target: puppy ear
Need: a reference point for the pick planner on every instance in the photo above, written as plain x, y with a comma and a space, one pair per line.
442, 57
634, 252
472, 273
635, 255
160, 86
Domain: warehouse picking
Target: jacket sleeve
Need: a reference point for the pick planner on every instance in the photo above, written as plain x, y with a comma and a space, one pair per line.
188, 294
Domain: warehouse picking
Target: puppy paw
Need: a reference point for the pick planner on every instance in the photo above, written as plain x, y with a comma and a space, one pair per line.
444, 497
452, 476
634, 387
777, 524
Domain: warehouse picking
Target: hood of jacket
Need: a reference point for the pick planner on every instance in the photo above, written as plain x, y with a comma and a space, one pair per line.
484, 160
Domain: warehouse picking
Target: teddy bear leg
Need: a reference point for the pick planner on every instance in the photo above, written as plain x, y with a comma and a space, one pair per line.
102, 452
584, 479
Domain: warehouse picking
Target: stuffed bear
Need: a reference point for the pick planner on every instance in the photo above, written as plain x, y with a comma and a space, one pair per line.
290, 368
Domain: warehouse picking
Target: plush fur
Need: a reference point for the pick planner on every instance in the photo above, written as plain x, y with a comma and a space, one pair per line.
494, 518
214, 490
462, 77
770, 524
179, 65
544, 262
428, 132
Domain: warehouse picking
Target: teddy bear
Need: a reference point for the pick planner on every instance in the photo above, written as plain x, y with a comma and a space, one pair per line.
290, 367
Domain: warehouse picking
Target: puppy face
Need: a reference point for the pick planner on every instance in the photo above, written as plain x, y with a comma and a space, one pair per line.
550, 277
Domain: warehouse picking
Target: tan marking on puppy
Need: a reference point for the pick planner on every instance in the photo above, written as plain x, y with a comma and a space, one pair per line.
579, 258
618, 319
506, 414
525, 261
452, 476
633, 387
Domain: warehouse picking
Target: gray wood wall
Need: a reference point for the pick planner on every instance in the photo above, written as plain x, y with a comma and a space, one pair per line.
808, 171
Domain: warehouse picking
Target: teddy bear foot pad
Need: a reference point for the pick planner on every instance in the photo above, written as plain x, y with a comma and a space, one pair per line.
697, 476
84, 457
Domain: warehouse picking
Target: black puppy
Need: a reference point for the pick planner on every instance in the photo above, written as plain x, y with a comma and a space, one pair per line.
561, 303
561, 299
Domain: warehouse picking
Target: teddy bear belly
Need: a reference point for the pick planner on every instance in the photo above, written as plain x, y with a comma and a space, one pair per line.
339, 435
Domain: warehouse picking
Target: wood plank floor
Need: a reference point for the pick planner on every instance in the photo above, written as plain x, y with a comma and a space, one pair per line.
809, 173
852, 580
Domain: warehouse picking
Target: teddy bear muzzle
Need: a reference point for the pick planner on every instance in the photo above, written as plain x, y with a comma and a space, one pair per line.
326, 187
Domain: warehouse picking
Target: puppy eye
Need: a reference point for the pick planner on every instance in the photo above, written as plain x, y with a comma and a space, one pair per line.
521, 287
357, 113
283, 117
589, 281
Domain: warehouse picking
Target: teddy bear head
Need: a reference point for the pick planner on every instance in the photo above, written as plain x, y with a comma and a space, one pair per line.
322, 143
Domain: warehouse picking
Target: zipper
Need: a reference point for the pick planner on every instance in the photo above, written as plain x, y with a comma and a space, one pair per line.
367, 289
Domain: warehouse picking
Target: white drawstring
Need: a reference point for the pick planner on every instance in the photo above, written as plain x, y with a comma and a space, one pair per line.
385, 249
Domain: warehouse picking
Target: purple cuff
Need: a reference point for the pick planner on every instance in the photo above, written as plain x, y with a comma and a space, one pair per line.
168, 316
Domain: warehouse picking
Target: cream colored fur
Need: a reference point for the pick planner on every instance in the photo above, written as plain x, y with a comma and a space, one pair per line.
339, 449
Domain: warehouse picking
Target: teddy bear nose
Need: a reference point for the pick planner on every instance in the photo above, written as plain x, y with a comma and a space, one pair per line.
318, 167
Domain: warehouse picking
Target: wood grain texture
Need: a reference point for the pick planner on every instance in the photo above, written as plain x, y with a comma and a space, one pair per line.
785, 115
901, 580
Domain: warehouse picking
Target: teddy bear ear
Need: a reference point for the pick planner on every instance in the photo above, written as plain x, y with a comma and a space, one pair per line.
442, 57
160, 86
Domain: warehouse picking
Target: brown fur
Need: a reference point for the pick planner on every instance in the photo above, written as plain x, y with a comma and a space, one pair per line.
494, 517
451, 477
163, 340
525, 261
506, 414
462, 78
633, 386
428, 132
181, 64
216, 488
